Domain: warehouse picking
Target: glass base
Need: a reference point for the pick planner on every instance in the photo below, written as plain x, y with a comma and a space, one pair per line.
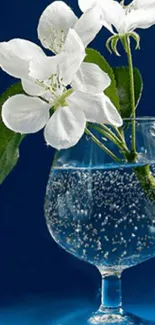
117, 317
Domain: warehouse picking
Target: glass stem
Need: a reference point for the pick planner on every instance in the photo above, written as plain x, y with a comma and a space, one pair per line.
111, 293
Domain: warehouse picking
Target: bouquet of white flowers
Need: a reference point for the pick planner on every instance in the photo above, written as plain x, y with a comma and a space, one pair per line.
74, 90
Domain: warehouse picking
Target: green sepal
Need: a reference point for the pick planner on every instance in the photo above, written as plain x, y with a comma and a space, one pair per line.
108, 44
9, 141
114, 44
123, 88
94, 56
136, 37
126, 38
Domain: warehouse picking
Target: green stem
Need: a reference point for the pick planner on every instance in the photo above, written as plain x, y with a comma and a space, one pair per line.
102, 146
143, 173
55, 159
111, 133
132, 94
104, 130
121, 140
147, 180
120, 133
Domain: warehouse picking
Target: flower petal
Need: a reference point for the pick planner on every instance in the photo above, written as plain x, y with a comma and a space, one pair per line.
87, 4
15, 56
145, 4
42, 68
90, 78
32, 88
74, 51
24, 114
89, 25
113, 14
112, 11
54, 25
97, 108
65, 128
138, 19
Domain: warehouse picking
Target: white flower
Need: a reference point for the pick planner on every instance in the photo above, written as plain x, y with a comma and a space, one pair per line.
53, 28
47, 80
138, 14
72, 108
58, 18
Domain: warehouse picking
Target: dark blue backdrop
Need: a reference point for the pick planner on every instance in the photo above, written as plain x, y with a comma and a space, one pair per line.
34, 271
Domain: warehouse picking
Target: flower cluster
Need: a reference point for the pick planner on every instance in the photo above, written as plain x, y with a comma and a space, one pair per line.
62, 91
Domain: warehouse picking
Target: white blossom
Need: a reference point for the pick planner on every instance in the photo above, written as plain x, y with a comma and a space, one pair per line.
58, 18
63, 92
120, 18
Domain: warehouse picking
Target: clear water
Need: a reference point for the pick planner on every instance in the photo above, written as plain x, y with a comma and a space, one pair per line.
101, 216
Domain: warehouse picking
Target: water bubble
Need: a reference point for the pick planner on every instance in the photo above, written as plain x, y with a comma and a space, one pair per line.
94, 215
152, 229
106, 255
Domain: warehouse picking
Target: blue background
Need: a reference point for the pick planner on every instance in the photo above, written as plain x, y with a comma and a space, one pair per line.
39, 281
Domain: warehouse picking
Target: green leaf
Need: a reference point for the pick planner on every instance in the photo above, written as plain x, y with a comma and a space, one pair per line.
123, 87
94, 56
10, 156
9, 141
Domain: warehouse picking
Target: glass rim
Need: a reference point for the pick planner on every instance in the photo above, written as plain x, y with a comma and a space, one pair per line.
143, 123
140, 119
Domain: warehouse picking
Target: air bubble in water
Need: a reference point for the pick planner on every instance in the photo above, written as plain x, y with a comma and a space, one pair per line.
102, 216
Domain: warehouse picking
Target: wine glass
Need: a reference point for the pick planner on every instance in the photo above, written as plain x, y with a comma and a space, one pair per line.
103, 212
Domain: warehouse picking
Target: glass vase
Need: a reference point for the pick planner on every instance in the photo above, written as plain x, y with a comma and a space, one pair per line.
103, 212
